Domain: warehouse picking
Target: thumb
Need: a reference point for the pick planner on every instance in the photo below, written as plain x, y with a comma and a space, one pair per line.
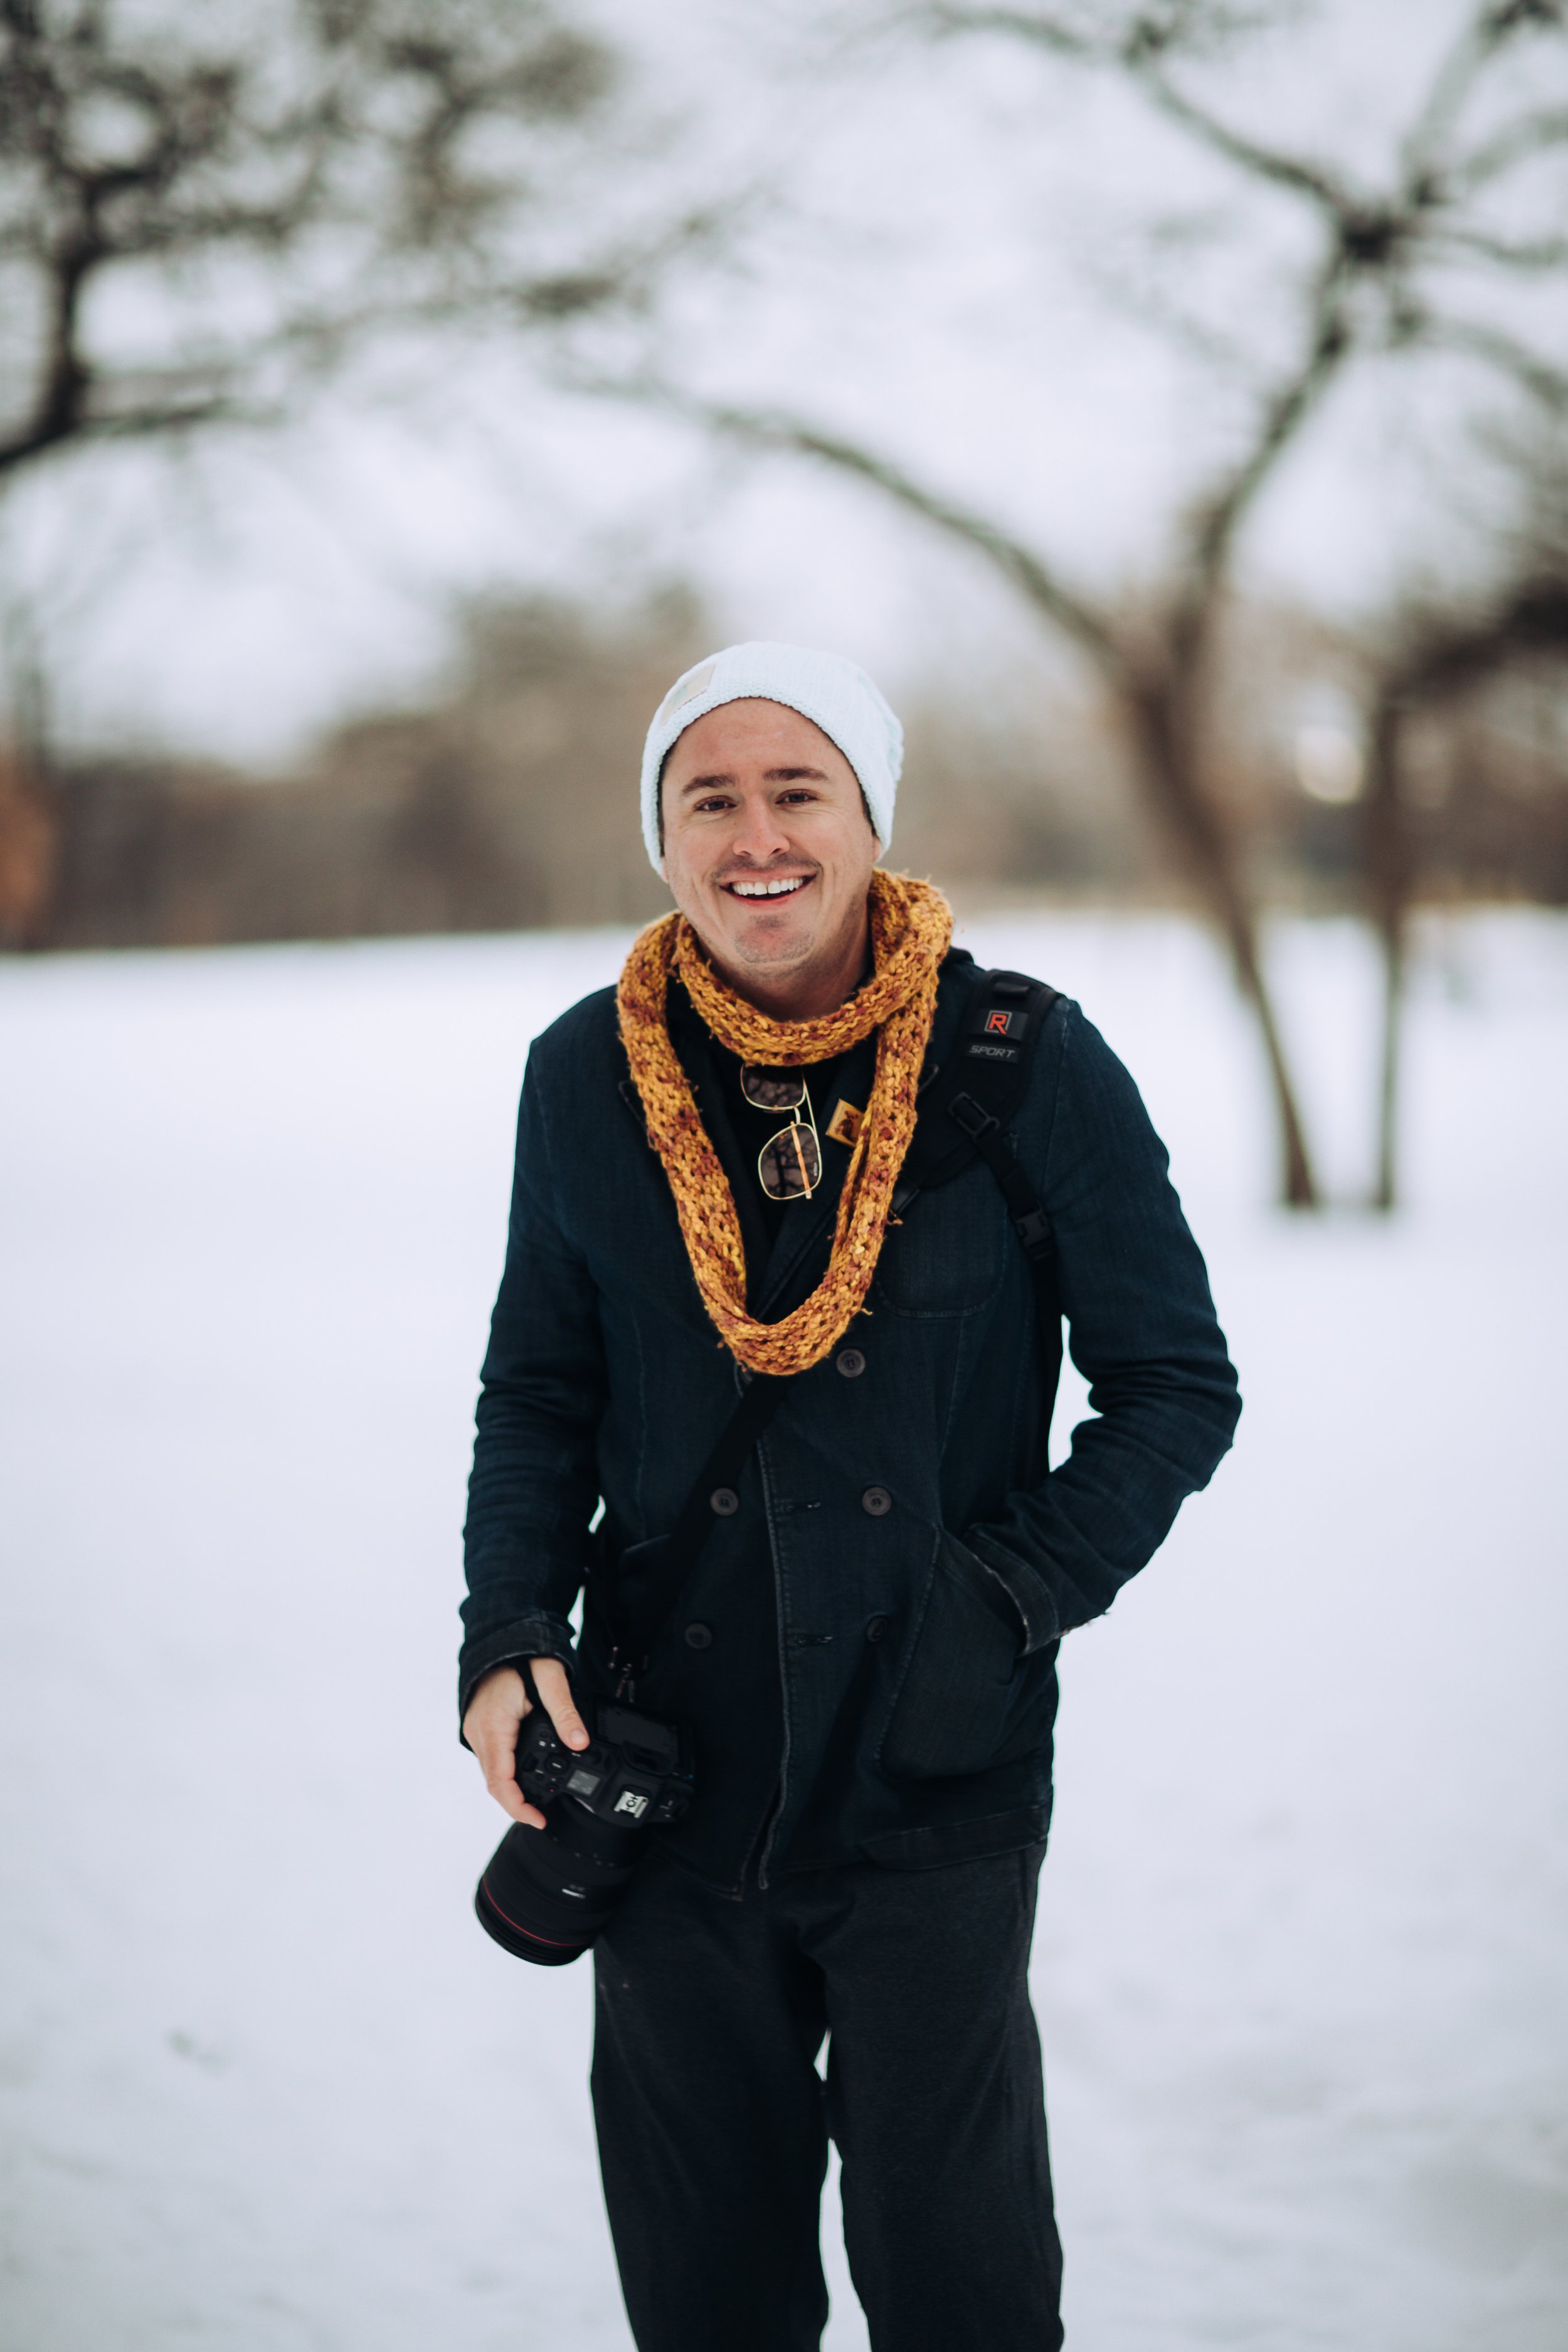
556, 1695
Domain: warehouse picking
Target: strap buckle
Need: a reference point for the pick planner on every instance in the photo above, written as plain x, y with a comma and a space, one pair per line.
971, 1117
1033, 1229
621, 1668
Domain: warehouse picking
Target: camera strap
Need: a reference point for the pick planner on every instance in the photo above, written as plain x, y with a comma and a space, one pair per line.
636, 1611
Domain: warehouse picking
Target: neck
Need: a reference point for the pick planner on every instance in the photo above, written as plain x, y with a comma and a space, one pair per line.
818, 984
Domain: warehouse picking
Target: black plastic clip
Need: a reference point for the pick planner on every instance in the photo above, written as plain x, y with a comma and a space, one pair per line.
971, 1117
623, 1670
1033, 1229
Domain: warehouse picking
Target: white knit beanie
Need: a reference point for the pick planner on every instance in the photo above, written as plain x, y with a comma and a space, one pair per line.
835, 694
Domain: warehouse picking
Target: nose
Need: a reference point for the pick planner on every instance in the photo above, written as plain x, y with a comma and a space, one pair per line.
759, 834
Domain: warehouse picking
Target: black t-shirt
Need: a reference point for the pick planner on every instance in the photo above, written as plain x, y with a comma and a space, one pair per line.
739, 1131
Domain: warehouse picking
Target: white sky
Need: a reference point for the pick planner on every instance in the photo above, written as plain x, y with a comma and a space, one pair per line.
937, 284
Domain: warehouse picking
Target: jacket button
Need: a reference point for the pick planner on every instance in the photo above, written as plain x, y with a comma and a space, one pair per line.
700, 1637
851, 1363
724, 1501
875, 1628
877, 1501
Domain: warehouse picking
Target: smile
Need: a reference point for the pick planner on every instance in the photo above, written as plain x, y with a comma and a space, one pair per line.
779, 889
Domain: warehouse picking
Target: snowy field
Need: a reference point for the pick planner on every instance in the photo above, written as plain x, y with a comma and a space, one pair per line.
1302, 1964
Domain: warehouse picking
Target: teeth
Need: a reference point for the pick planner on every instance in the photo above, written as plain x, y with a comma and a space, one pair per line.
767, 890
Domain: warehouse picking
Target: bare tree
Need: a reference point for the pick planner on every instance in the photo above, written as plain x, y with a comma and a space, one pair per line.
1437, 657
1393, 266
190, 209
201, 210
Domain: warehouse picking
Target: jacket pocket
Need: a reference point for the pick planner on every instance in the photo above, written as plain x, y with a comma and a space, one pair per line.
949, 1253
968, 1698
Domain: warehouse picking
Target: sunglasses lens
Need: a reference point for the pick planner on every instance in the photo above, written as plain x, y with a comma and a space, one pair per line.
773, 1089
790, 1166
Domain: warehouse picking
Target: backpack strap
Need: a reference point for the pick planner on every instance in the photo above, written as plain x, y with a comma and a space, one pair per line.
989, 1059
967, 1104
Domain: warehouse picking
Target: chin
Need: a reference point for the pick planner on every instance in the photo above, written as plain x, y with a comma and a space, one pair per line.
768, 943
772, 946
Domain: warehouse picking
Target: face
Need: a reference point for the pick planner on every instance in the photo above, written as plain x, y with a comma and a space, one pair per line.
768, 851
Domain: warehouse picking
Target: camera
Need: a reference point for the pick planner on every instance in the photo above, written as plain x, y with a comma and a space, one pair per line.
547, 1894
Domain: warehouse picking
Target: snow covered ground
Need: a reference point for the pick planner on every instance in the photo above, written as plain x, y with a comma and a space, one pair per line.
1304, 1936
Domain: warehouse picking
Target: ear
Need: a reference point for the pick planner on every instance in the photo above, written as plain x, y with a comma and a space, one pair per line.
659, 801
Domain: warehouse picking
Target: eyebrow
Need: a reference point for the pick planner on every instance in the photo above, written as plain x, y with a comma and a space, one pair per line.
770, 776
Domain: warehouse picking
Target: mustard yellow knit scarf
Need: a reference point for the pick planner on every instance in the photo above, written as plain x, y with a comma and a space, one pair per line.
912, 925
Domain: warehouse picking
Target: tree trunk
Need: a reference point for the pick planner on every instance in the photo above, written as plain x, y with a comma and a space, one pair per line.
1298, 1185
1165, 730
28, 856
29, 809
1389, 877
1385, 1190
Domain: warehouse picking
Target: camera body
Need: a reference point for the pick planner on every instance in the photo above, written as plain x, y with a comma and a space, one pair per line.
547, 1894
633, 1773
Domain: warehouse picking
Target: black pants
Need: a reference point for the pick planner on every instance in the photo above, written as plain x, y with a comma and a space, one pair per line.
713, 2122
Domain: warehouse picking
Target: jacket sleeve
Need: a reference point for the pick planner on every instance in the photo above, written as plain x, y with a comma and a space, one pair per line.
534, 1484
1142, 1330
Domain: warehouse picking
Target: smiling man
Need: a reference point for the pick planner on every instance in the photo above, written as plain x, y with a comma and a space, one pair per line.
799, 1211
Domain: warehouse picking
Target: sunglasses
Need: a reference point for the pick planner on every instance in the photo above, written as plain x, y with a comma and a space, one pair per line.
789, 1167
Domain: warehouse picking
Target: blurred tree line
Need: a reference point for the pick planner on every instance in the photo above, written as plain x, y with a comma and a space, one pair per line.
510, 799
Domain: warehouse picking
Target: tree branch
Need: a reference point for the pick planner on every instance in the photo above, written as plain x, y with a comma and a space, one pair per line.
1217, 517
1493, 25
1445, 657
1145, 58
772, 429
1530, 256
1546, 383
1306, 179
1532, 134
155, 420
1045, 32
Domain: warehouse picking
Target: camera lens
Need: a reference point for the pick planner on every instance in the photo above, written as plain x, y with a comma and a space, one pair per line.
547, 1894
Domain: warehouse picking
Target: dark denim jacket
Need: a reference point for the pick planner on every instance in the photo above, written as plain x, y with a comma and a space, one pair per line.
873, 1666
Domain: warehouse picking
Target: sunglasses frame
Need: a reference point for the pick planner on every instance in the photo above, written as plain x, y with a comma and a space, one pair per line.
750, 1070
797, 1127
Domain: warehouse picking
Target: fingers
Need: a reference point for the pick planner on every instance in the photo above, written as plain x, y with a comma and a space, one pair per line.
490, 1729
511, 1799
555, 1691
495, 1716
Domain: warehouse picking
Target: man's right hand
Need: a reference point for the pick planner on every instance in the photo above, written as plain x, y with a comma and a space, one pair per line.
496, 1715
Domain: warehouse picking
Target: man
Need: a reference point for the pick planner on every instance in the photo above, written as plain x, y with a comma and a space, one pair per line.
714, 1185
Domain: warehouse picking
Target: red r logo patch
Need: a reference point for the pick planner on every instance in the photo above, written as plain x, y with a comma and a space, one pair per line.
997, 1023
